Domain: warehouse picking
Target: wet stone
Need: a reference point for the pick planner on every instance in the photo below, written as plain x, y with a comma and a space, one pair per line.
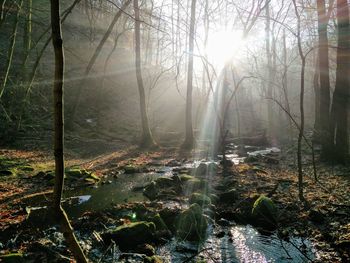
265, 212
200, 199
192, 224
128, 236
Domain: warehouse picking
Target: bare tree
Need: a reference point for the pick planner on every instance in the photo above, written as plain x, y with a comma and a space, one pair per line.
147, 138
59, 133
189, 140
301, 103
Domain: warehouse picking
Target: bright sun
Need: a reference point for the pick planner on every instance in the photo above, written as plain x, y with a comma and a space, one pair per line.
223, 46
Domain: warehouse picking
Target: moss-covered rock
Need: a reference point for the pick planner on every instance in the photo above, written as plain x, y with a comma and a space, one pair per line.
129, 236
159, 223
74, 173
212, 169
131, 169
163, 187
169, 216
196, 184
12, 258
185, 177
214, 198
164, 182
81, 174
200, 199
192, 224
265, 212
151, 191
153, 259
201, 170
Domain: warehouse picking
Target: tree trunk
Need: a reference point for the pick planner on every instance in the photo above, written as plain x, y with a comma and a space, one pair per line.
301, 104
147, 139
339, 115
285, 84
189, 140
27, 38
270, 120
323, 66
316, 85
59, 134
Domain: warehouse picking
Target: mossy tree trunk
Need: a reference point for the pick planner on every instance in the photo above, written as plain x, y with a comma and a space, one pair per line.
59, 134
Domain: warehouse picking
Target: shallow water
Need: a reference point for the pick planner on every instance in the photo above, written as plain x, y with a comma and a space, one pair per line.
240, 244
116, 191
264, 151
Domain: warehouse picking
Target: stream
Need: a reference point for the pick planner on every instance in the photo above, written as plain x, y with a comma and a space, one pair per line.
225, 242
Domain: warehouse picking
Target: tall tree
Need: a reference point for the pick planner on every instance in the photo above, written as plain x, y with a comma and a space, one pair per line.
323, 72
301, 102
27, 36
285, 82
269, 94
339, 113
189, 140
59, 134
147, 138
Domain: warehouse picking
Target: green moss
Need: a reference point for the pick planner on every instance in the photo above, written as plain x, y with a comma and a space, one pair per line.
153, 259
200, 199
186, 177
192, 224
265, 210
131, 169
201, 170
26, 168
74, 172
93, 176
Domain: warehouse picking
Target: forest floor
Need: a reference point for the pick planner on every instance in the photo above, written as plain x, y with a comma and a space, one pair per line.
27, 175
